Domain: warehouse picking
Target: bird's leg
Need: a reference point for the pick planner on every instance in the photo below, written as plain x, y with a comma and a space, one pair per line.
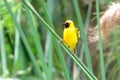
62, 40
73, 51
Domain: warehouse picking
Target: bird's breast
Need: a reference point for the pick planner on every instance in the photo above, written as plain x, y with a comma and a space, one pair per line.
70, 37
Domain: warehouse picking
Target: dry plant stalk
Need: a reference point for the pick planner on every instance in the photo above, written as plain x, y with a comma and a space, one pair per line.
109, 21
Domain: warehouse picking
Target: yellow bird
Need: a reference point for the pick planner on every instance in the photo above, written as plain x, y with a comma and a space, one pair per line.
71, 34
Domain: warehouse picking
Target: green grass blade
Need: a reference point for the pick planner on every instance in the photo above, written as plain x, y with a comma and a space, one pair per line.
88, 17
41, 20
74, 57
3, 53
62, 61
48, 12
37, 42
49, 38
37, 69
100, 43
19, 56
49, 52
16, 52
17, 41
83, 36
86, 26
89, 10
81, 65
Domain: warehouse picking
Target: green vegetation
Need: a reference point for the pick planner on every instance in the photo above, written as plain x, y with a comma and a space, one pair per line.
31, 47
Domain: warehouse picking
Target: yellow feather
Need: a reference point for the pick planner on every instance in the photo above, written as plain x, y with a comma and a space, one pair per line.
71, 35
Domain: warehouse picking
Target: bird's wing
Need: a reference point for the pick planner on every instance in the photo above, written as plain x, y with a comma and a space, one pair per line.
78, 32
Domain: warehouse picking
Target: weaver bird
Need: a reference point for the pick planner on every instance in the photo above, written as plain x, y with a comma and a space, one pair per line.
71, 34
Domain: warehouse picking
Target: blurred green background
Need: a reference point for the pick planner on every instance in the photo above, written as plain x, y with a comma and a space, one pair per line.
29, 51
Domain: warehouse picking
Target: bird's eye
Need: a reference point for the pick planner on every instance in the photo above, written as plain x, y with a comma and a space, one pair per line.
66, 25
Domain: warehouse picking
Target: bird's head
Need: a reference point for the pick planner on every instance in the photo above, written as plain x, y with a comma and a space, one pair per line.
68, 24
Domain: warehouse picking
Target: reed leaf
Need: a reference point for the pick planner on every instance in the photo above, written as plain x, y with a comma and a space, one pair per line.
30, 53
100, 43
83, 36
74, 57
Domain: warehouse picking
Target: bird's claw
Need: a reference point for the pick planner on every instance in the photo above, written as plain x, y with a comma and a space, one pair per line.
61, 40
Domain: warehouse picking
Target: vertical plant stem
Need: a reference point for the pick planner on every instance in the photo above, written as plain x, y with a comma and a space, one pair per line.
49, 37
89, 10
17, 41
36, 67
37, 42
3, 53
74, 57
49, 52
100, 43
62, 61
88, 17
84, 39
82, 66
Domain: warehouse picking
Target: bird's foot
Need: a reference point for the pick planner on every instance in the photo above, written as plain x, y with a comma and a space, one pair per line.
73, 51
61, 40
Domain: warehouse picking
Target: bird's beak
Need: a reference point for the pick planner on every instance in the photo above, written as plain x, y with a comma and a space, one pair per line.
64, 24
